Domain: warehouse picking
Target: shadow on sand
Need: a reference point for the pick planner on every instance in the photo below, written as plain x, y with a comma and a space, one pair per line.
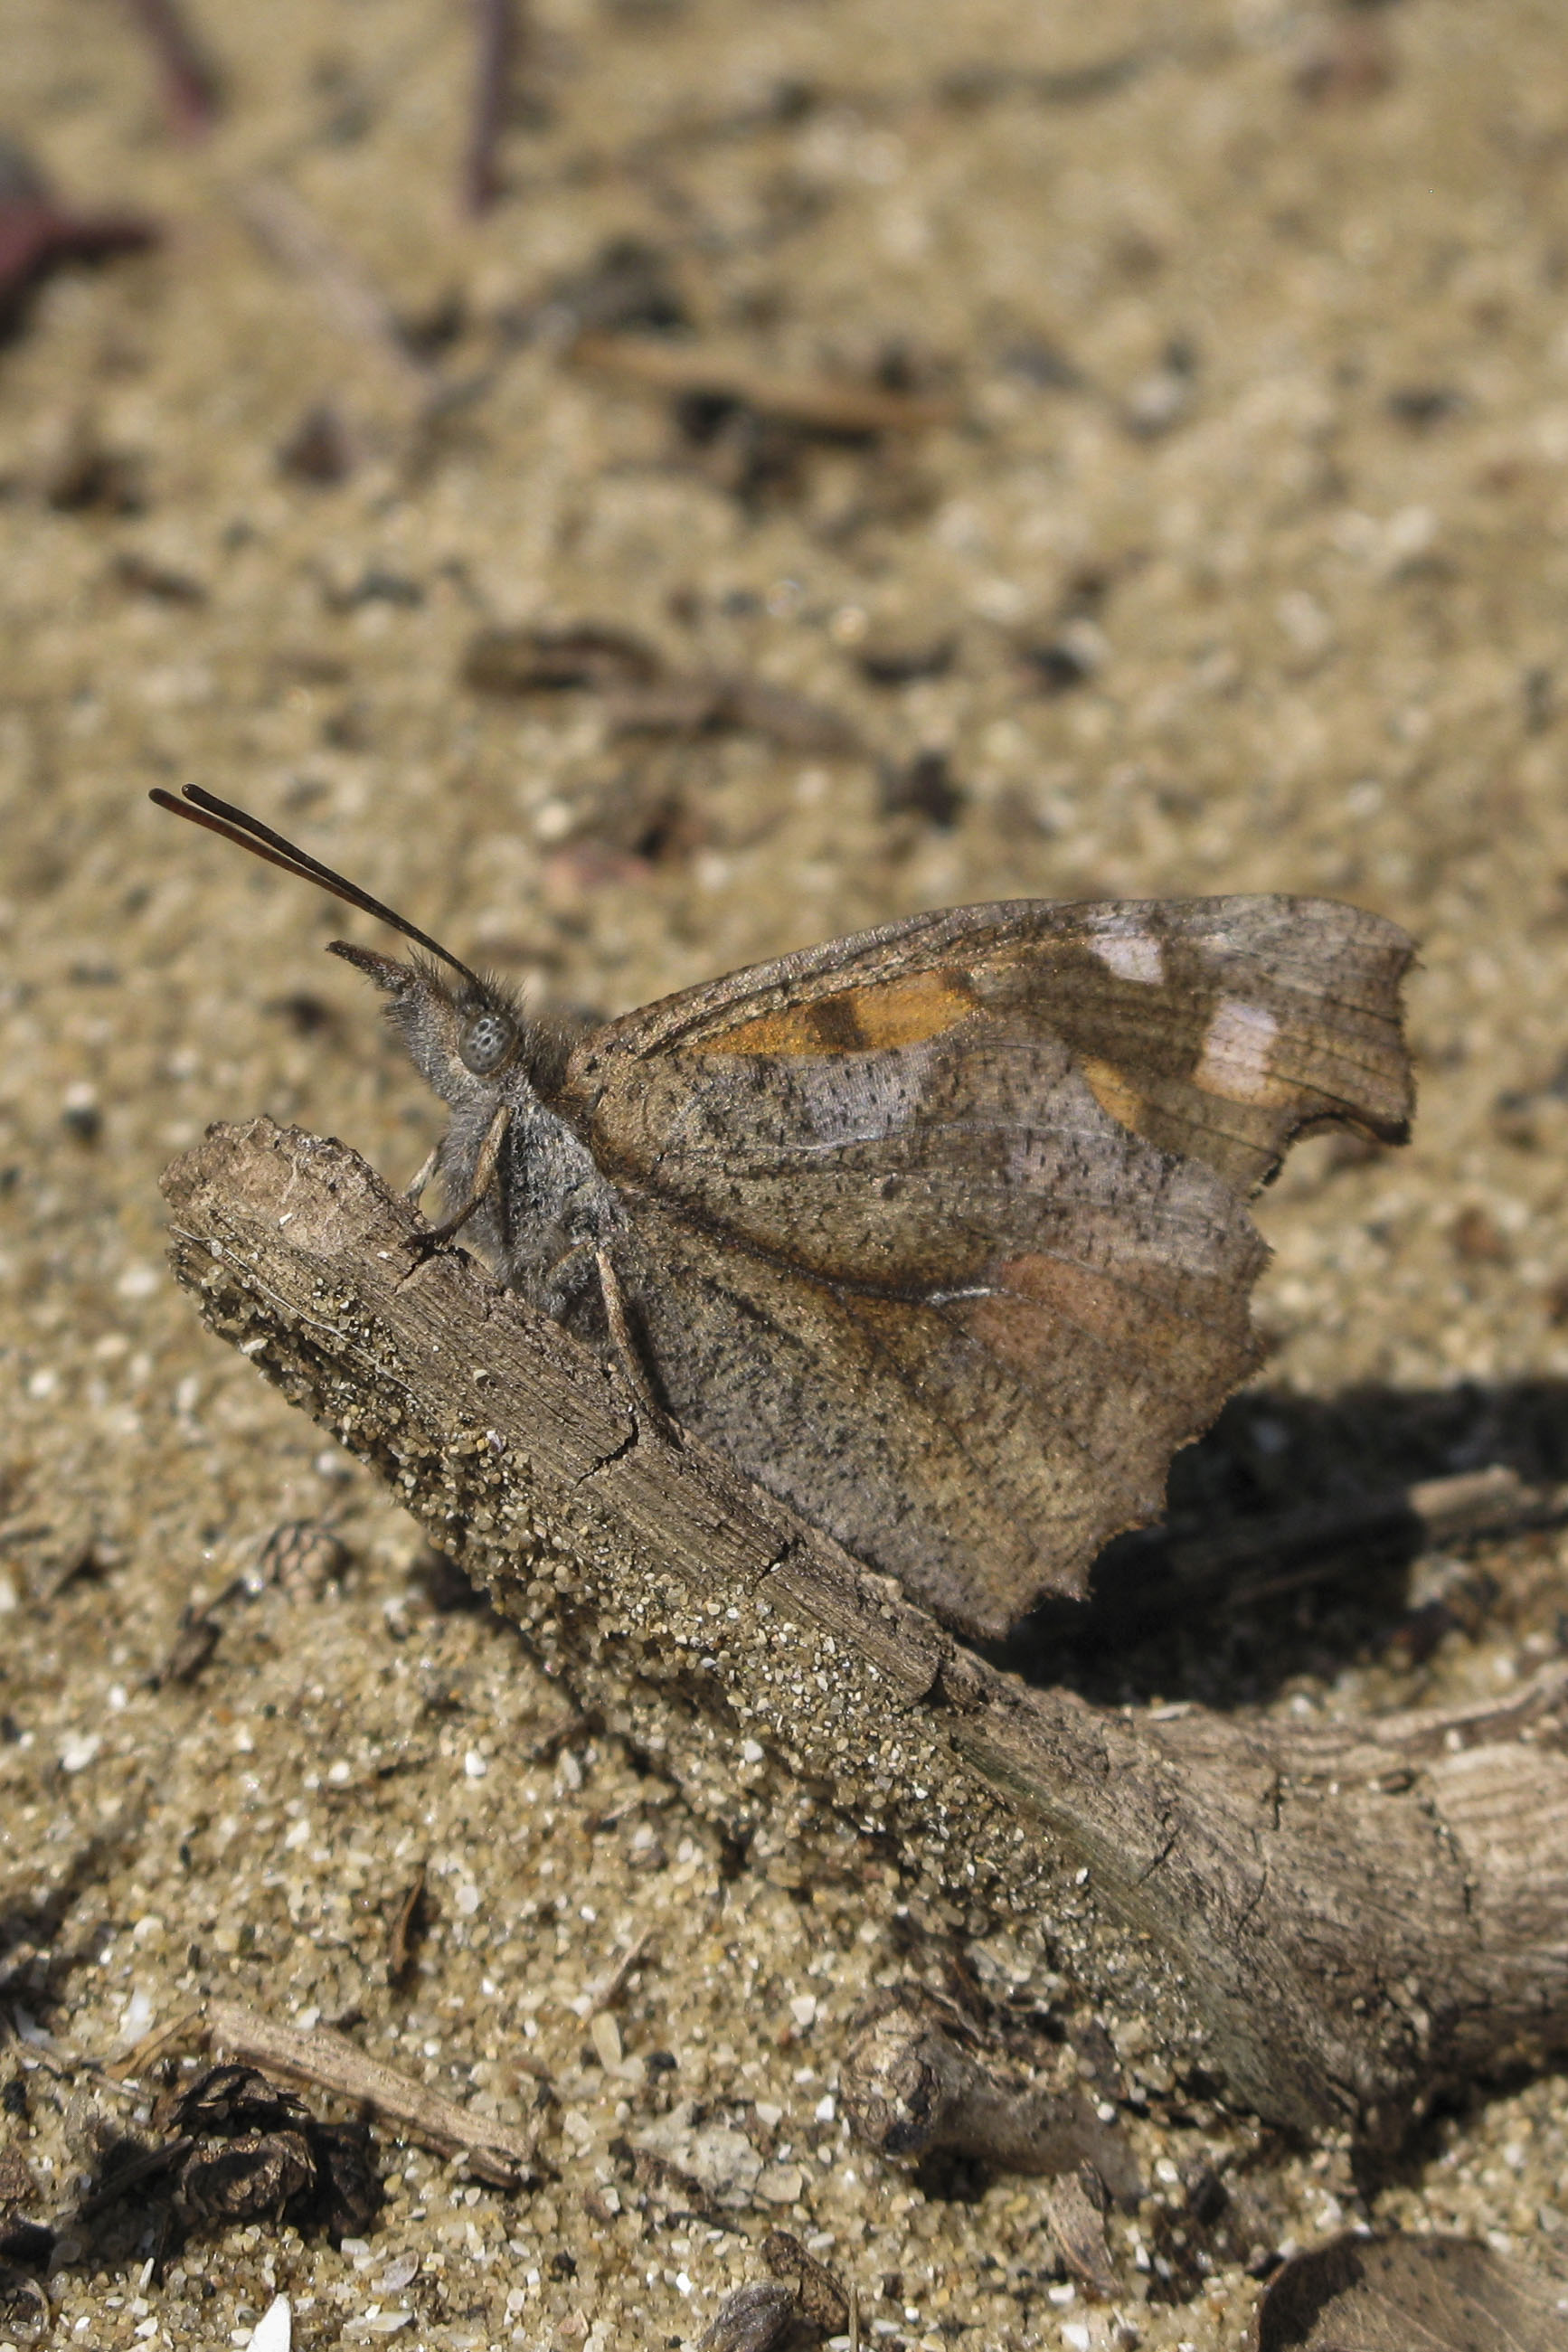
1236, 1595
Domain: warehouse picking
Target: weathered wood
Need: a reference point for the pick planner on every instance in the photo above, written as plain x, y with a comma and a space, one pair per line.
1335, 1920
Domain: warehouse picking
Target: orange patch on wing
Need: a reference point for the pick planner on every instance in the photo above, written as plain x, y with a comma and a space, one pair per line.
870, 1020
908, 1012
1112, 1092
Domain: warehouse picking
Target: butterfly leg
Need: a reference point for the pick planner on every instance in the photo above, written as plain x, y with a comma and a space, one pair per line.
414, 1191
484, 1177
624, 1339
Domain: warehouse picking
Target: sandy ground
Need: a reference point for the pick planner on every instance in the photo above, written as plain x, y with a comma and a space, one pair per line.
1249, 535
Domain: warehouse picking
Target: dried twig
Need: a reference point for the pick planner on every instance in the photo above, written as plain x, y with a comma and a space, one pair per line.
143, 2055
815, 404
405, 1928
191, 88
502, 2154
292, 233
915, 2077
607, 1993
495, 26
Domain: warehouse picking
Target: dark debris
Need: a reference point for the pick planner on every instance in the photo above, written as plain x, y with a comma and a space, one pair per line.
39, 234
236, 2147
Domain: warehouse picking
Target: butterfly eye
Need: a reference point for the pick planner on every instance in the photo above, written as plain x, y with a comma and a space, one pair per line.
486, 1041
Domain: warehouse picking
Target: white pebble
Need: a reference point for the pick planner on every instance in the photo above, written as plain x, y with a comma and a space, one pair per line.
274, 2331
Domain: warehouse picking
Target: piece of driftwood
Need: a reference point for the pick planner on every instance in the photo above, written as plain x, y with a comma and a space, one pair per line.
1334, 1919
915, 2078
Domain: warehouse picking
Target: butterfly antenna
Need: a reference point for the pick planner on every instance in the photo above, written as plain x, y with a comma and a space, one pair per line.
238, 825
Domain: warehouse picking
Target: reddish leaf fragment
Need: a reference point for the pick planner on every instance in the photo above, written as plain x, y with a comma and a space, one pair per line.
38, 237
37, 234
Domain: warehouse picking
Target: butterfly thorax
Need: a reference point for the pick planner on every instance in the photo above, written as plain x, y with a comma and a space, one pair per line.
550, 1210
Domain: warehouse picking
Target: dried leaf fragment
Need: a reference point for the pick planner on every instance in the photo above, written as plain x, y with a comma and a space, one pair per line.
1078, 2224
813, 2286
751, 2318
236, 2147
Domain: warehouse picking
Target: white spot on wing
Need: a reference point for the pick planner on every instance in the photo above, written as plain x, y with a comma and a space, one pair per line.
1132, 955
1238, 1053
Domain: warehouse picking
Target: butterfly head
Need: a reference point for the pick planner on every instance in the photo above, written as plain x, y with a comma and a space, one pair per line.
464, 1031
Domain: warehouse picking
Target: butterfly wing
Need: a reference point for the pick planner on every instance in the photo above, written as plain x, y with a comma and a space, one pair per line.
940, 1231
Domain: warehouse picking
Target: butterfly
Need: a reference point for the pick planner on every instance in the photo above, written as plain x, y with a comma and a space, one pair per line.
940, 1231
